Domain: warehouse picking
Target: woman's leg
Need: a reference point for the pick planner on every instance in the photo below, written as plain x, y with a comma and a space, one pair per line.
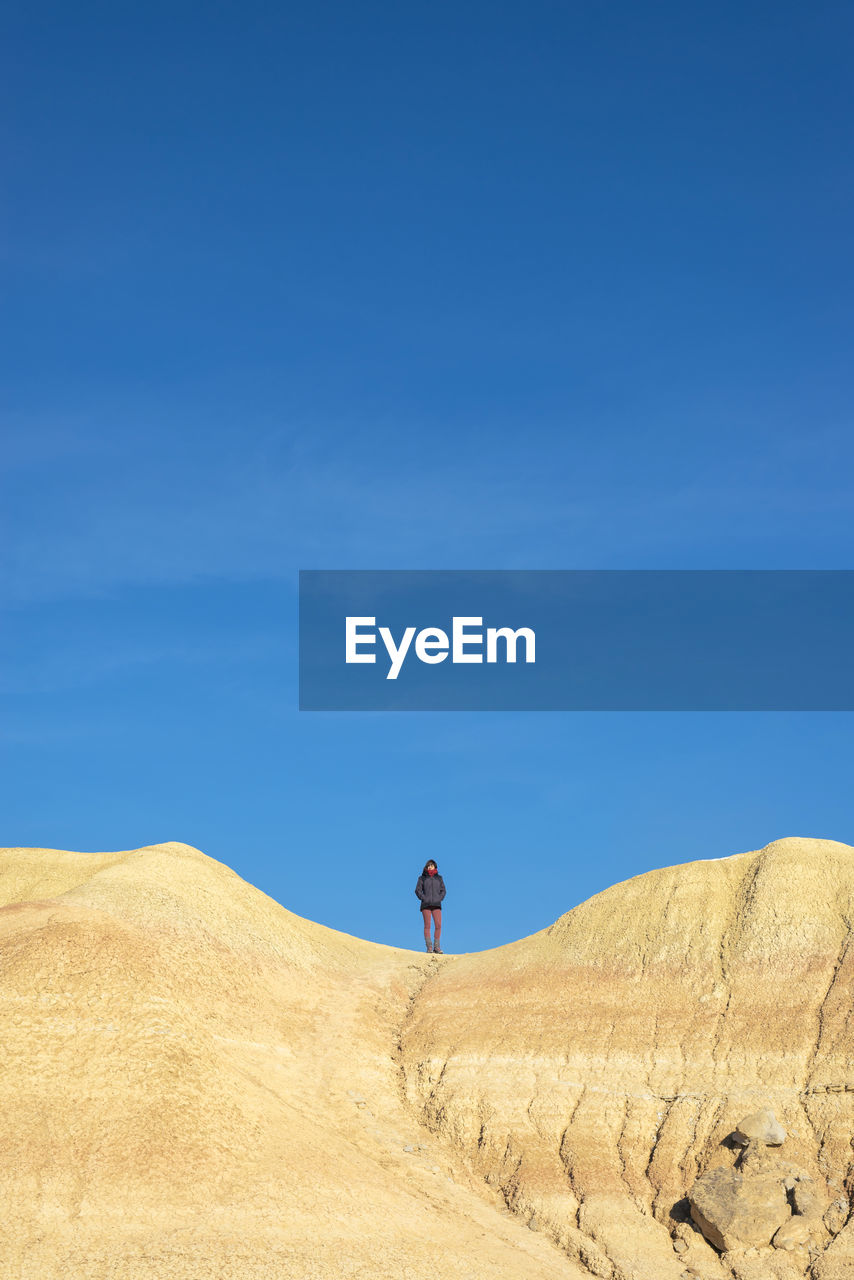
426, 917
437, 923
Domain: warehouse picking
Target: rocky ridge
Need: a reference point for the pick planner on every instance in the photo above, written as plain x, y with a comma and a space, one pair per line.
198, 1083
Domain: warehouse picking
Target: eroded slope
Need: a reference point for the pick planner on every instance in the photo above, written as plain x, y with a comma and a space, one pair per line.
196, 1083
594, 1070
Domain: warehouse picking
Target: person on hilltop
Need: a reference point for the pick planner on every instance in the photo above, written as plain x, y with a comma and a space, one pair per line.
430, 891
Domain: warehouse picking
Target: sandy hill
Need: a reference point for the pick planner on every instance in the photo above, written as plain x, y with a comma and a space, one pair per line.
197, 1083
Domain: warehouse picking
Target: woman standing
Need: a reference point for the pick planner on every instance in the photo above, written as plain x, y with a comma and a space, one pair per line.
430, 890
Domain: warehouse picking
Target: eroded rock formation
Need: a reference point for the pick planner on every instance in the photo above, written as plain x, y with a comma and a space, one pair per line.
762, 1200
197, 1083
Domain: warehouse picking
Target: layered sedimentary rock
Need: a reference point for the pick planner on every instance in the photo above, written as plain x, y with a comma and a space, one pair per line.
597, 1069
197, 1083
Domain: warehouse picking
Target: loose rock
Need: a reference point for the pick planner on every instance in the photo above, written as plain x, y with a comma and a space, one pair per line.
805, 1198
734, 1211
795, 1233
760, 1126
836, 1216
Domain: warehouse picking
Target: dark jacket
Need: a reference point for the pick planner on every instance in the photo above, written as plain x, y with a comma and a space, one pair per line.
430, 890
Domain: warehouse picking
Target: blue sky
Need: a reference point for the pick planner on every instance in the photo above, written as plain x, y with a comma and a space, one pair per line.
383, 286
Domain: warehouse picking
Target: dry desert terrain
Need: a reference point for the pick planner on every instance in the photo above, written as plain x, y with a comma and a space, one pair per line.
199, 1085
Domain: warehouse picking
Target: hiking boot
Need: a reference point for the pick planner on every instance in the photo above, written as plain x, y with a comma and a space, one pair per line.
437, 950
429, 946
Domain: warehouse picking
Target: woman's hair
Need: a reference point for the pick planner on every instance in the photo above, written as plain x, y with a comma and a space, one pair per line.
431, 862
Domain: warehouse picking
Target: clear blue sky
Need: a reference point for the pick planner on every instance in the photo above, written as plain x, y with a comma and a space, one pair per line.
419, 286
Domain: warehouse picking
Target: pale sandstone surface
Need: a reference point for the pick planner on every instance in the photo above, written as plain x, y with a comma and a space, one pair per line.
596, 1069
197, 1083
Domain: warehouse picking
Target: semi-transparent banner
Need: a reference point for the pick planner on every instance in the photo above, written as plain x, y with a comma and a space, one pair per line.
574, 640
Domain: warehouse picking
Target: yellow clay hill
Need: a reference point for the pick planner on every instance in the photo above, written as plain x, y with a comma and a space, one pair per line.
199, 1085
